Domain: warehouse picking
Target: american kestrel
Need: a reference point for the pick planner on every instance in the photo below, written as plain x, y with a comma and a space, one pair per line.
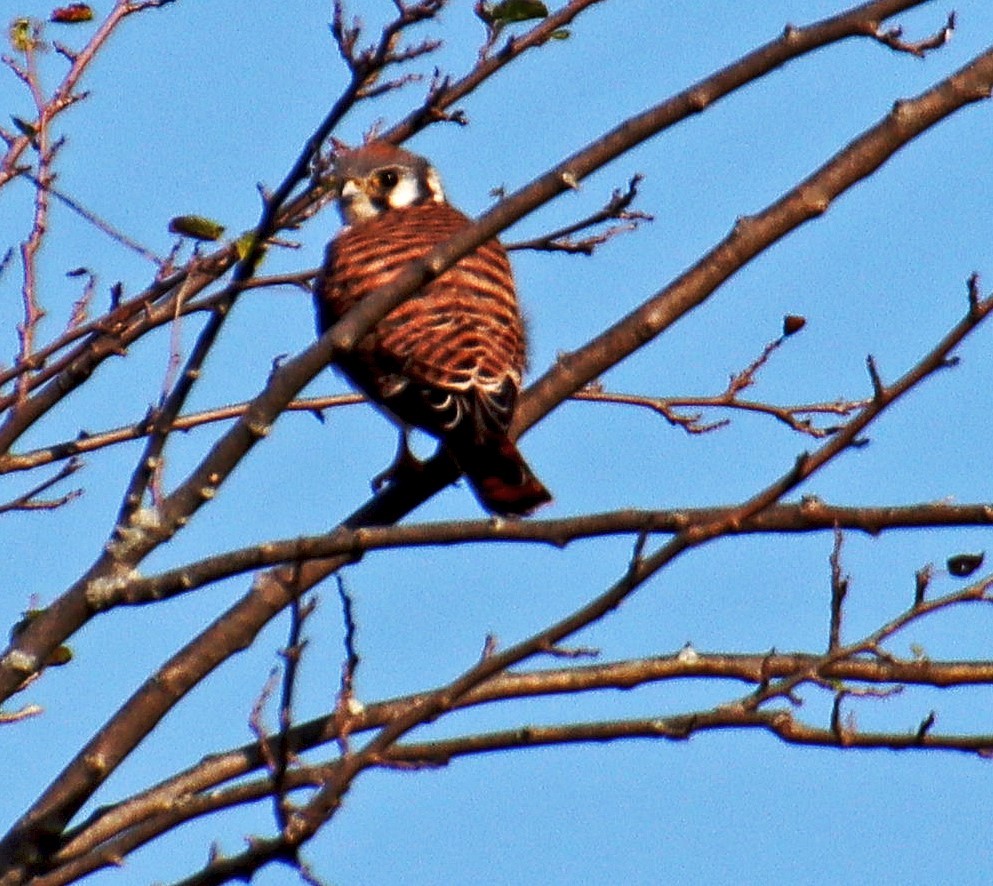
449, 359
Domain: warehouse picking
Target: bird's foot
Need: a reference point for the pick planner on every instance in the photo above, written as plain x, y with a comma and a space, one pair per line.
404, 463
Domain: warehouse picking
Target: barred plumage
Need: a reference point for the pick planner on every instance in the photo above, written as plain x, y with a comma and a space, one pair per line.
449, 359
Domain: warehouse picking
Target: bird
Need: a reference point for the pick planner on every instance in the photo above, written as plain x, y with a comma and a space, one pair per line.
450, 358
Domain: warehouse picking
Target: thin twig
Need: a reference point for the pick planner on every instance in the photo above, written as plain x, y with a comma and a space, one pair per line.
839, 589
100, 224
617, 208
295, 644
29, 501
893, 38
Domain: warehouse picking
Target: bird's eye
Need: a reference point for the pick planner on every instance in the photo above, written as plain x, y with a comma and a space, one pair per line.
387, 178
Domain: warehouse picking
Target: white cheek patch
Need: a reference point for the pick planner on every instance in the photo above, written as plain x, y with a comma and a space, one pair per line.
404, 193
434, 186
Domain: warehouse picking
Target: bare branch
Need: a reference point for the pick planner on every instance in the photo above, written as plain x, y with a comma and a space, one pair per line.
978, 592
443, 94
295, 645
810, 515
90, 442
893, 39
31, 710
617, 208
304, 822
29, 501
810, 199
133, 821
797, 416
365, 69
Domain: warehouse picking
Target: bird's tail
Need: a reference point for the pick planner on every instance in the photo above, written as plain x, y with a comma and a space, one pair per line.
501, 479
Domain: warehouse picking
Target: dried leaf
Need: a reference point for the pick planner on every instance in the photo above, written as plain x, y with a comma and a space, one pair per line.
72, 14
793, 323
963, 565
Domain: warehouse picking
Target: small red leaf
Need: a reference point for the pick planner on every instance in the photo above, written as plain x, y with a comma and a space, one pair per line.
72, 14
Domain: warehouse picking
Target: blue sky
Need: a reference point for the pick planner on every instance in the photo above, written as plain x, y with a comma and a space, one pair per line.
195, 103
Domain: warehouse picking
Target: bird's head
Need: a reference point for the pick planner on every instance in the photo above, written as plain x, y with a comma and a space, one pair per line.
378, 177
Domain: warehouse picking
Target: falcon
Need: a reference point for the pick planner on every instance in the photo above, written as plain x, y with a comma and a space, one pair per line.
449, 359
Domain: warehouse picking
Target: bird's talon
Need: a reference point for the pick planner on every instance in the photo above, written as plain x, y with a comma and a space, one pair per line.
404, 463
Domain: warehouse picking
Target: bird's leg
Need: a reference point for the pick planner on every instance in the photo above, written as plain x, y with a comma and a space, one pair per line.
404, 462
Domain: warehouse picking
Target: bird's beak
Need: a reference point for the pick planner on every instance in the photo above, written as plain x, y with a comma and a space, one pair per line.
354, 203
350, 189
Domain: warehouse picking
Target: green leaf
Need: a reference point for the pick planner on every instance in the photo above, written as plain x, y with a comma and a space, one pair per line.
560, 34
23, 35
197, 227
508, 11
243, 244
